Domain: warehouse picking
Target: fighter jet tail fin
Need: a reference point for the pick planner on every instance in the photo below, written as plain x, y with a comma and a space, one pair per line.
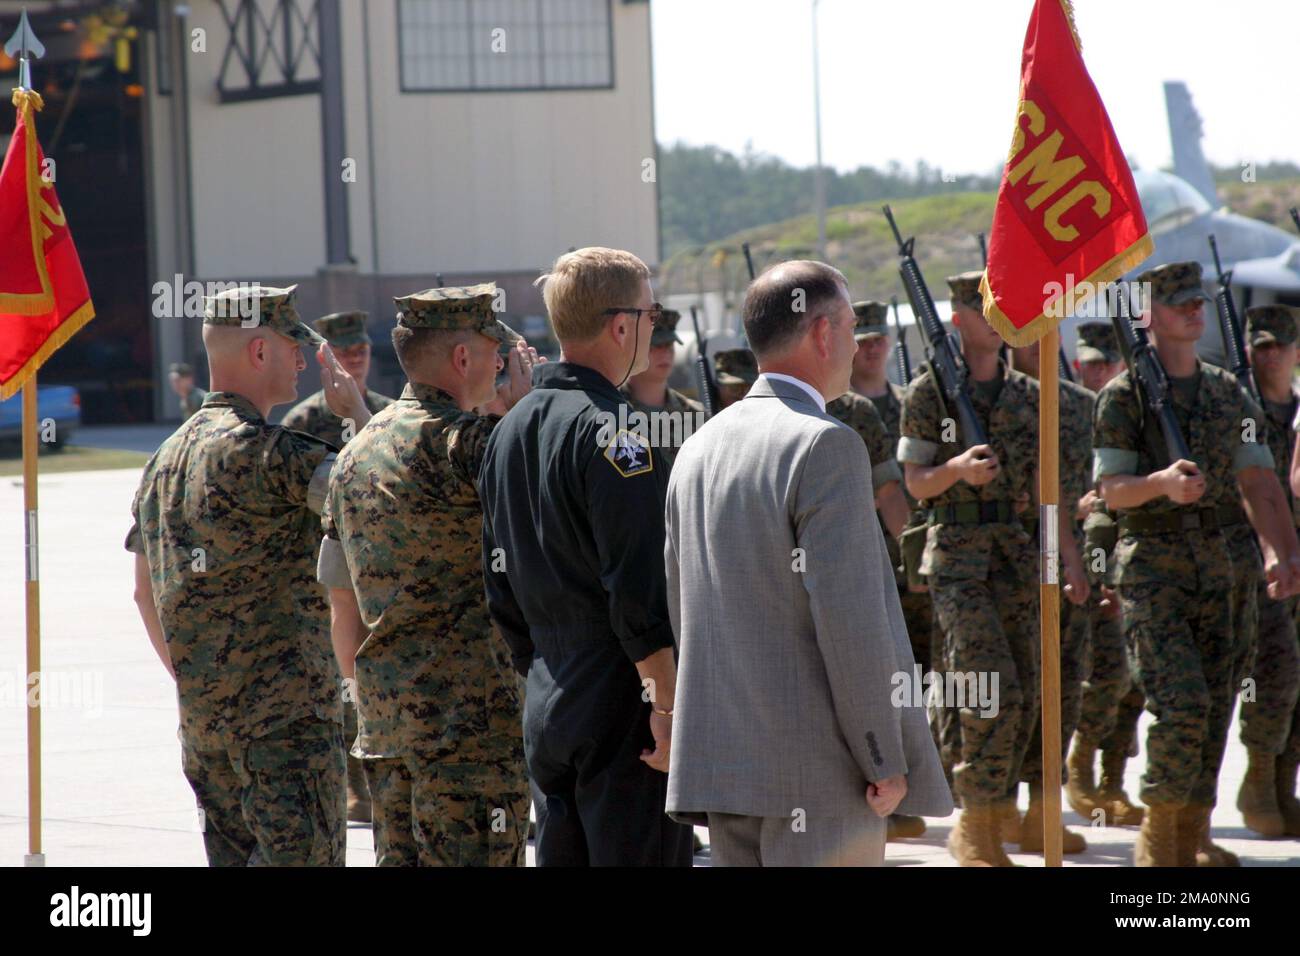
1185, 133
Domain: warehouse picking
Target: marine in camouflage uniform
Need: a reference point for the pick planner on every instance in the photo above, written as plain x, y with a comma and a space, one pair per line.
181, 376
681, 411
1270, 720
343, 331
1111, 702
1174, 571
440, 723
226, 516
734, 371
981, 566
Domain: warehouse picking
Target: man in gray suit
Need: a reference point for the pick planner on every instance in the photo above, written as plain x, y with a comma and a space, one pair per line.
796, 732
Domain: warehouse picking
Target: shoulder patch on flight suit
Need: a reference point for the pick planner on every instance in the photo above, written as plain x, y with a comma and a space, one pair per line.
629, 454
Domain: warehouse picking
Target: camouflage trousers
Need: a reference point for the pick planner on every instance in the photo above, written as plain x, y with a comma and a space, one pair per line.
990, 628
1247, 590
1111, 701
1270, 717
433, 813
918, 614
1185, 653
1074, 654
278, 800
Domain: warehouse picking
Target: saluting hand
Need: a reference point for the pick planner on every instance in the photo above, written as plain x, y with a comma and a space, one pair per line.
342, 394
520, 362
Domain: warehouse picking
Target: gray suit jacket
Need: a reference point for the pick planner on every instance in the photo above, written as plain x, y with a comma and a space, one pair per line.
788, 622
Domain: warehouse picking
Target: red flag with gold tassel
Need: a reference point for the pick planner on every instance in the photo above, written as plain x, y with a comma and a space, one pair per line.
43, 294
1067, 217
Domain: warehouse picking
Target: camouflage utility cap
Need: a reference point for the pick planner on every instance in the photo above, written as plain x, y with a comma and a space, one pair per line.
1272, 324
665, 331
342, 330
1097, 343
735, 367
871, 318
455, 308
1175, 283
260, 306
181, 368
965, 290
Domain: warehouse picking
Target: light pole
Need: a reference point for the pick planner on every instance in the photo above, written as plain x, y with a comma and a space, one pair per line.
819, 175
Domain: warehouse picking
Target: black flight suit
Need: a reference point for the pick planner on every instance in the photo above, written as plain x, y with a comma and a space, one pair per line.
577, 511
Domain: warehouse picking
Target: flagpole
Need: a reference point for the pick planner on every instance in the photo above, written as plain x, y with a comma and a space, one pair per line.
1049, 495
33, 607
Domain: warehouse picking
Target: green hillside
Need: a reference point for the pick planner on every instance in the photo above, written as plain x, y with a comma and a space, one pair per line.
859, 242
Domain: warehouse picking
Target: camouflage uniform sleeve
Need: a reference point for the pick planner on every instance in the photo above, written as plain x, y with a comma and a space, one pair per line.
1076, 446
467, 444
296, 469
871, 427
1116, 431
134, 538
920, 422
1255, 453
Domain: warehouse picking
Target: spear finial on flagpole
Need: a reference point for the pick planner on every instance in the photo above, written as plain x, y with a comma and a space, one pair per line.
24, 45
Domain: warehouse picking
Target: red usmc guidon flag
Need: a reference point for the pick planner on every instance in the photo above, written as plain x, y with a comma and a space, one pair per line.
43, 294
1067, 216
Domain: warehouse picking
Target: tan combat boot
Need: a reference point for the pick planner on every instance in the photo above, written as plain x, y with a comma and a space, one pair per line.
974, 838
1257, 798
900, 826
1120, 810
1031, 827
1007, 815
1081, 788
1287, 804
358, 793
1157, 843
1208, 853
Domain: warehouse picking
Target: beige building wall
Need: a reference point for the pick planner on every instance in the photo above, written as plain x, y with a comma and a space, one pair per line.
258, 192
476, 186
483, 182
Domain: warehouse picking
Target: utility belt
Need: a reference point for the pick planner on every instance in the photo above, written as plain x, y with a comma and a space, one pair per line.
1200, 519
974, 512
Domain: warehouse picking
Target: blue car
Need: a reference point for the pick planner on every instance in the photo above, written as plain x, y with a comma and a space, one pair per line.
62, 403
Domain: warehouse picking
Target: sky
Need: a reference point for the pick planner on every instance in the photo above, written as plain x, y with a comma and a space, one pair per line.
938, 79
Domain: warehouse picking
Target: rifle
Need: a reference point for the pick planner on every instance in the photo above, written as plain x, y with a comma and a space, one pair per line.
904, 357
1153, 384
704, 385
984, 251
1295, 217
949, 367
1230, 326
749, 260
1067, 373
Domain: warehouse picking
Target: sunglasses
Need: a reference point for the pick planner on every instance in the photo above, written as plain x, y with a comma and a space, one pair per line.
656, 312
